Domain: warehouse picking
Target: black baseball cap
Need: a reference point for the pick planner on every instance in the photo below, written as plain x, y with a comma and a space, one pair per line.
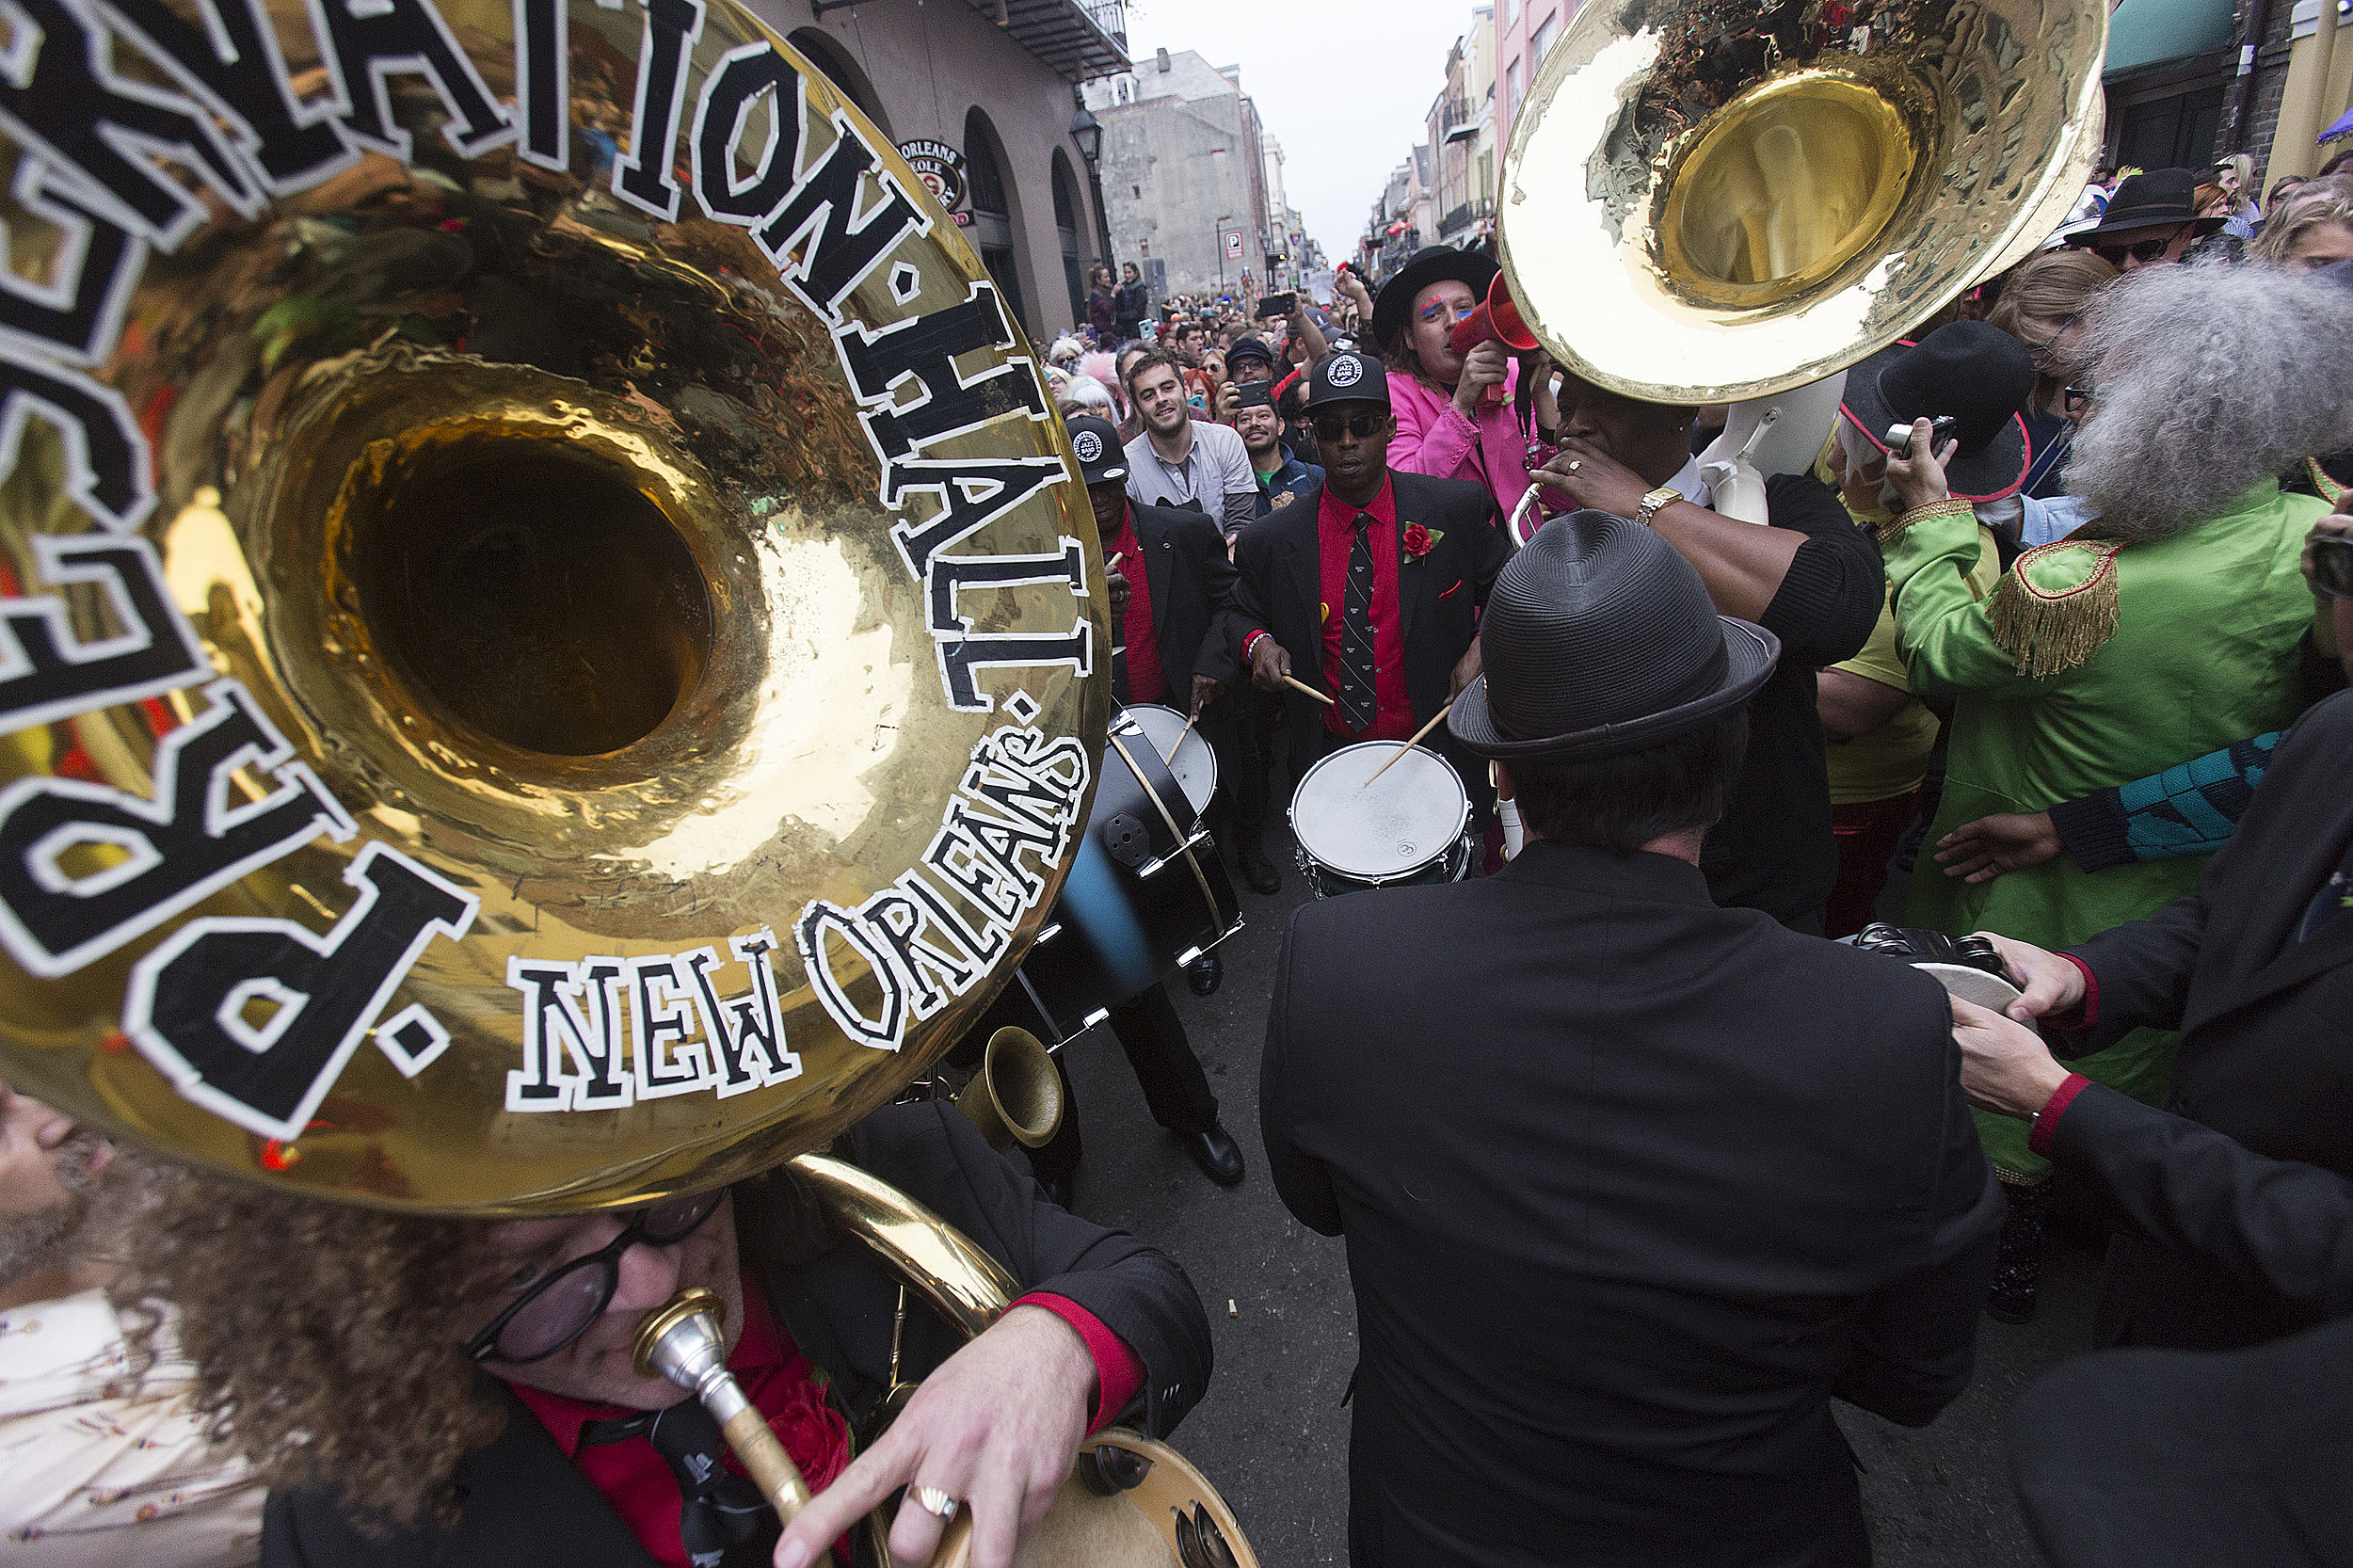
1101, 458
1348, 376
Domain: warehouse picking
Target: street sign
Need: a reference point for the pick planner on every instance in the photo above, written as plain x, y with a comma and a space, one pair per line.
1233, 245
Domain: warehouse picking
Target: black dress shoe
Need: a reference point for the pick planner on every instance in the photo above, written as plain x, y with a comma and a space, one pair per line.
1257, 869
1205, 974
1217, 1154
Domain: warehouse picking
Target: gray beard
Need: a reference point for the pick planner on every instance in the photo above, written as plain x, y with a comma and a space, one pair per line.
47, 1237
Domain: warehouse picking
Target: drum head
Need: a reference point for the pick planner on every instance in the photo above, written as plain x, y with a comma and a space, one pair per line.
1194, 764
1403, 821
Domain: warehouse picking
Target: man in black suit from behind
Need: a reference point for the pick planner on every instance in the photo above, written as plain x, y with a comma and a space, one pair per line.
1370, 589
1168, 576
1632, 1186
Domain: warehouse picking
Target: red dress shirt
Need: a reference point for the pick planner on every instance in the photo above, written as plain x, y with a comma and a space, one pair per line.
1335, 536
1147, 680
634, 1479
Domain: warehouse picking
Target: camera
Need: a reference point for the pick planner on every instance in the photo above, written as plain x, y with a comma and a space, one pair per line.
2333, 566
1941, 430
1275, 305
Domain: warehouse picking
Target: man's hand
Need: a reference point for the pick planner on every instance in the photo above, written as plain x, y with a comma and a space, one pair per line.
1115, 582
2006, 841
1205, 690
997, 1427
1483, 367
1592, 478
1919, 479
2005, 1067
1269, 665
2046, 983
1228, 400
1467, 670
2337, 525
1858, 478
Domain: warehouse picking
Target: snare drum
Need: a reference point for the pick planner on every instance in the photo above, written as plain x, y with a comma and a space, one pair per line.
1412, 825
1194, 763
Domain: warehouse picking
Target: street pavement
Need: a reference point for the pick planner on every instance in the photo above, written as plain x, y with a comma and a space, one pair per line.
1273, 1434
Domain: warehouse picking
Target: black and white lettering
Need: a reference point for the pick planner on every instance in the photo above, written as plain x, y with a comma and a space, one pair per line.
195, 837
732, 91
107, 473
746, 1032
973, 493
185, 1007
572, 1012
922, 352
231, 63
76, 313
368, 43
642, 176
820, 240
667, 1048
47, 673
824, 918
961, 651
58, 96
543, 82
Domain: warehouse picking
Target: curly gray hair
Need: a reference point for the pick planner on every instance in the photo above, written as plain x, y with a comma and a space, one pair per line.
2207, 378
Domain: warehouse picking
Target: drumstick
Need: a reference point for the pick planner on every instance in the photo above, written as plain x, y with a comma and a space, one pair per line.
1178, 743
1325, 698
1408, 746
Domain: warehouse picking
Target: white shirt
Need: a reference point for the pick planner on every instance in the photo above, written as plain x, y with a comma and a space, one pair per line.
104, 1468
1215, 476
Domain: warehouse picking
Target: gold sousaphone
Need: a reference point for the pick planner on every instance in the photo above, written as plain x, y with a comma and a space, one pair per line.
1704, 203
552, 648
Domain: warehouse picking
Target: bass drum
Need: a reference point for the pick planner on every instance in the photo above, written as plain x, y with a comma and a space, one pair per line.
540, 665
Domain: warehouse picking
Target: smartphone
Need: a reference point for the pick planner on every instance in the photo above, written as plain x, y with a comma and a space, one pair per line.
1277, 305
2333, 566
1941, 430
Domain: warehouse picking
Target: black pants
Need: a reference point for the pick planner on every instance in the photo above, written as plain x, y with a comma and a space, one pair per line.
1175, 1089
1241, 727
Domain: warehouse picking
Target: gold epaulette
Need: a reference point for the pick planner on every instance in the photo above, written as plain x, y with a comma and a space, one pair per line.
2055, 607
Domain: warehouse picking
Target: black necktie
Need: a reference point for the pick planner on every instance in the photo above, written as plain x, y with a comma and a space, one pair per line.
723, 1520
1353, 694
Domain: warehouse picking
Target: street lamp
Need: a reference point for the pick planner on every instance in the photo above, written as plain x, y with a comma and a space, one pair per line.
1087, 131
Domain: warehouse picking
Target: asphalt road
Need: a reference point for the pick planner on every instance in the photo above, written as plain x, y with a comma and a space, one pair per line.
1273, 1434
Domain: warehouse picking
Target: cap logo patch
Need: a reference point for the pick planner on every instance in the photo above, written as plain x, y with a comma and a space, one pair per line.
1088, 445
1347, 369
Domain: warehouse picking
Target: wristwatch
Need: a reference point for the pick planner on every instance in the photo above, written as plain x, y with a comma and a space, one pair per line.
1665, 495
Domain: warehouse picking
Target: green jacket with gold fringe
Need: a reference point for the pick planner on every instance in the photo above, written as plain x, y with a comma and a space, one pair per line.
2093, 662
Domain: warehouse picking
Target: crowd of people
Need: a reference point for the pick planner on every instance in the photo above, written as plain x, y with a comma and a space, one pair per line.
2046, 639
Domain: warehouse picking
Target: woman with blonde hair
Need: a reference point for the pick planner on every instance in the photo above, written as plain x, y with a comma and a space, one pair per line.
2042, 307
2311, 229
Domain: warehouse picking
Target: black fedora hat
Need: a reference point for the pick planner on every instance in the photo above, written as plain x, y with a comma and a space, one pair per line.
1971, 370
1433, 264
2146, 200
1600, 640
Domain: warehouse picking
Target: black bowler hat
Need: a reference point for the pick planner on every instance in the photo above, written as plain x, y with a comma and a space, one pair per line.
1600, 640
1347, 377
1971, 370
2146, 200
1249, 347
1101, 458
1431, 264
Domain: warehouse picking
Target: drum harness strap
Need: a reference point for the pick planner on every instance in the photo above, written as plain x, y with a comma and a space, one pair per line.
1216, 917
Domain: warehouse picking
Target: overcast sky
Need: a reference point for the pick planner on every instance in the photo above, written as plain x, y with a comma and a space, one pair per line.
1344, 87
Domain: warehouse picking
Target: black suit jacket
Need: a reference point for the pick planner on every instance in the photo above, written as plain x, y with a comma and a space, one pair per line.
1190, 580
1631, 1186
1279, 588
525, 1503
2242, 1202
2169, 1459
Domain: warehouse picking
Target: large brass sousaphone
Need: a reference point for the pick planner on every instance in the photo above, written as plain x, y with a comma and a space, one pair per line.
1704, 203
551, 647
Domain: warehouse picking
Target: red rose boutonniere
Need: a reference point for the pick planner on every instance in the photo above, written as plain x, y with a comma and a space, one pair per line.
1418, 540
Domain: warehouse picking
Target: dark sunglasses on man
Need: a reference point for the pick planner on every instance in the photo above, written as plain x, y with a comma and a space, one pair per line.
564, 1304
2144, 252
1328, 427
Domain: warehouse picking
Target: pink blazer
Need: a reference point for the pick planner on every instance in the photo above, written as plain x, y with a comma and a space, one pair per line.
1434, 439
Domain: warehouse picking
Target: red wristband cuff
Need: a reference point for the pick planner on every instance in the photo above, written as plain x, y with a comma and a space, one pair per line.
2047, 1120
1251, 642
1118, 1370
2086, 1013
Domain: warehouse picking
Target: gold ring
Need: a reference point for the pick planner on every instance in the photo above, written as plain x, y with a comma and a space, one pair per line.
932, 1500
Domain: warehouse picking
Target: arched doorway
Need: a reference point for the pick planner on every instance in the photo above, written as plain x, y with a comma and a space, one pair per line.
995, 221
827, 54
1069, 219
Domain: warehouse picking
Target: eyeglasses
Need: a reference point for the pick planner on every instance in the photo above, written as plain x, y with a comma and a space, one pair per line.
561, 1307
2044, 349
2074, 398
1328, 427
2147, 250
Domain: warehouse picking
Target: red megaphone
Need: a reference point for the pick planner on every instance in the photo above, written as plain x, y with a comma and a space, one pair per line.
1496, 320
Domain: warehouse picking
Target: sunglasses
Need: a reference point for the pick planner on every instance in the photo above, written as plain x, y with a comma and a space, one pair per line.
1328, 427
561, 1307
2147, 250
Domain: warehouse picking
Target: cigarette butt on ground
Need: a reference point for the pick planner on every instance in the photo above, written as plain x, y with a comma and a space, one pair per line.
1231, 1310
